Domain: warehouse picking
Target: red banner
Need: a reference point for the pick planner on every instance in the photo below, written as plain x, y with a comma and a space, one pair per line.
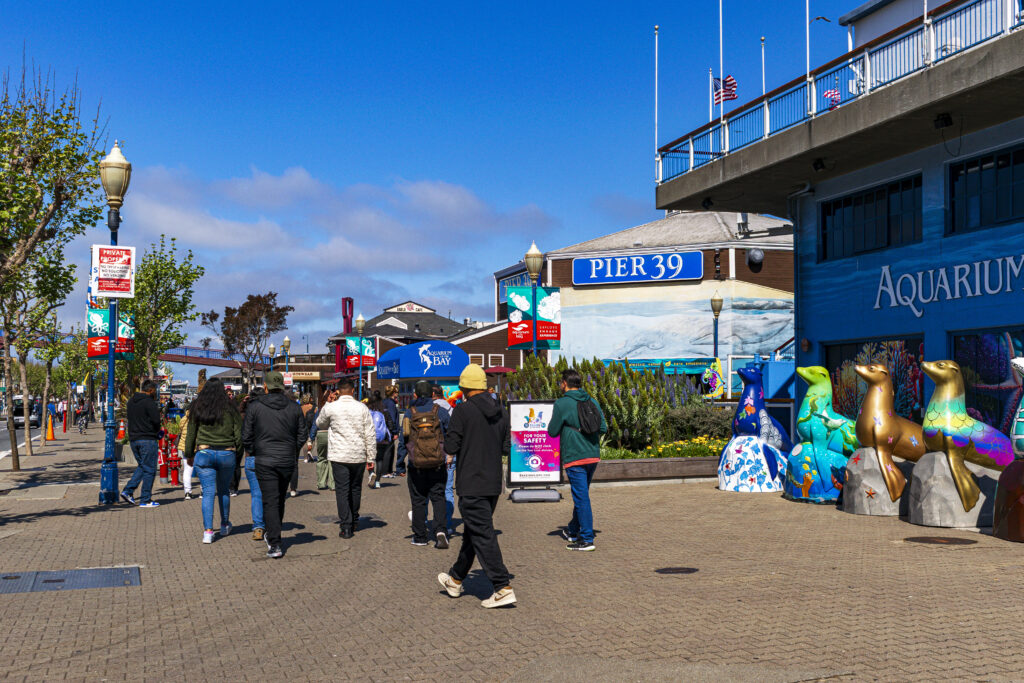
352, 362
98, 346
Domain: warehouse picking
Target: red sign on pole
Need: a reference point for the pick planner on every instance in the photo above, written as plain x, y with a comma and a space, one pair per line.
113, 272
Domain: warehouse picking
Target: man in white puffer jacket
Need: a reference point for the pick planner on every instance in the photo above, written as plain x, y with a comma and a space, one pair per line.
351, 448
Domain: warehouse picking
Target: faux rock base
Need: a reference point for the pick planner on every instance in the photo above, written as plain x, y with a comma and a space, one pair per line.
864, 492
934, 500
1008, 512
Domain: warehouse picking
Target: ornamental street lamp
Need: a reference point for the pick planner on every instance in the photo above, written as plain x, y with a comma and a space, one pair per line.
534, 262
716, 308
360, 328
115, 174
286, 345
270, 349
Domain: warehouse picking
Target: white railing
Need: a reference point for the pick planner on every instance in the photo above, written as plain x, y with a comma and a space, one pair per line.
946, 32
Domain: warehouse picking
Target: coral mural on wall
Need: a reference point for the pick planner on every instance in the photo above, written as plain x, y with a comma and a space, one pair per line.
993, 390
901, 357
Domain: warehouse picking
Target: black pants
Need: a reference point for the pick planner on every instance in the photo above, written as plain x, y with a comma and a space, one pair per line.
236, 477
348, 490
383, 464
293, 485
273, 479
479, 541
426, 485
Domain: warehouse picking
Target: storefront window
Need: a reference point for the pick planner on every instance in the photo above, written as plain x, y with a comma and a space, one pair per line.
901, 356
986, 190
884, 216
993, 391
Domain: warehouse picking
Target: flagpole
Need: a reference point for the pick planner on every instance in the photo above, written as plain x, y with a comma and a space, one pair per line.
656, 92
721, 69
711, 97
763, 91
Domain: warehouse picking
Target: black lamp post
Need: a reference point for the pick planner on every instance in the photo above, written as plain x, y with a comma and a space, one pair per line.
716, 308
115, 174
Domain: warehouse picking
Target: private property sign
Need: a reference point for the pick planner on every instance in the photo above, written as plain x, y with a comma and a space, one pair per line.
113, 272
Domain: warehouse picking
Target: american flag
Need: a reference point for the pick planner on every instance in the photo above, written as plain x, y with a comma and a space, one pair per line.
724, 89
833, 97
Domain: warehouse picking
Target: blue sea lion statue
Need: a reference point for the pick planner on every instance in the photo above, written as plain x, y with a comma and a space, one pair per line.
754, 460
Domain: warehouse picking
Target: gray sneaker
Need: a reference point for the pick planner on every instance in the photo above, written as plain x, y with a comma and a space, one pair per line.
275, 552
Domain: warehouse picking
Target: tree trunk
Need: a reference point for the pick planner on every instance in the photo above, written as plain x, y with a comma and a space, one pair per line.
46, 389
11, 431
149, 366
26, 401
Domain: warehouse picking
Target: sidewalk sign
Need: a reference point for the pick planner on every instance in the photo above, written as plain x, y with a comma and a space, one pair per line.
535, 457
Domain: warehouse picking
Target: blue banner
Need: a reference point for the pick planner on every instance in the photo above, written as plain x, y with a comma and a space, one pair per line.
615, 270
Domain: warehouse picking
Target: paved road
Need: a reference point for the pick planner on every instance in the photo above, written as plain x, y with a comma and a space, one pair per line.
781, 592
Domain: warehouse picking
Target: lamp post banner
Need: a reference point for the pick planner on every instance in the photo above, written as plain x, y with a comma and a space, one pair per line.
98, 323
352, 355
535, 457
521, 316
112, 274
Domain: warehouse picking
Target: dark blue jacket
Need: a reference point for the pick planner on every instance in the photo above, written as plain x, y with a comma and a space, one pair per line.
422, 405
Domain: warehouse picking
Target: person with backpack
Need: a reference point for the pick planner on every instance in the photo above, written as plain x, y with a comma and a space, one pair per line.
273, 432
478, 437
579, 422
351, 448
384, 429
422, 445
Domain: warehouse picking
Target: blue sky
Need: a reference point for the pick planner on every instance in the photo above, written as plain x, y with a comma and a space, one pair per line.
387, 150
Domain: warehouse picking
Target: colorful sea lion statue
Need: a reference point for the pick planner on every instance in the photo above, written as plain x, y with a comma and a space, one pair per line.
816, 467
1008, 511
754, 460
879, 427
949, 429
1017, 430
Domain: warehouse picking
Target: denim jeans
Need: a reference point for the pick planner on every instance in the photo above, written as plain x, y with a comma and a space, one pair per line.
582, 523
254, 492
449, 494
215, 469
145, 452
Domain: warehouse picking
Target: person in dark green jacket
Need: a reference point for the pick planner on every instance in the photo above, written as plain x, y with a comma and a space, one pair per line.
214, 436
580, 452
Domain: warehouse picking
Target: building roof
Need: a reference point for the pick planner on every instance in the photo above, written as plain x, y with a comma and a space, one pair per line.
235, 373
867, 8
690, 229
474, 332
421, 324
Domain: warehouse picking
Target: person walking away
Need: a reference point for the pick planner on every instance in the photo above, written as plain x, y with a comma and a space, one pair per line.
579, 422
187, 469
478, 437
423, 434
318, 440
143, 434
273, 432
351, 448
309, 413
255, 497
391, 408
384, 430
214, 436
449, 484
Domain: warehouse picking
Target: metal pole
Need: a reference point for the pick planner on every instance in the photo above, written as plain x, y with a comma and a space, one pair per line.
534, 309
108, 470
360, 367
721, 69
763, 90
656, 96
716, 336
286, 361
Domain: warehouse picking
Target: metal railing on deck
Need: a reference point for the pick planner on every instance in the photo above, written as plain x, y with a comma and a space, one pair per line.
950, 29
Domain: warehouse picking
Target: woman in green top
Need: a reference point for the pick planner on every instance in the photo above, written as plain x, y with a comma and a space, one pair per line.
214, 435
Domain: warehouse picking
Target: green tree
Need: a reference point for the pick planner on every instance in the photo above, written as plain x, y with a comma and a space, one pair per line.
245, 331
49, 170
74, 366
49, 350
164, 287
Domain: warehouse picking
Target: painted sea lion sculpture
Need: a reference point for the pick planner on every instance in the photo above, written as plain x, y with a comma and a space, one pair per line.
1017, 430
755, 457
816, 467
879, 427
949, 429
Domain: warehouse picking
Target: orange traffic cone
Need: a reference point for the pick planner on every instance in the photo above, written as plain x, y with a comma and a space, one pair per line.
49, 429
120, 431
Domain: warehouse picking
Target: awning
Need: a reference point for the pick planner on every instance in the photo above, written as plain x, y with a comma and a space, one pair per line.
499, 370
430, 359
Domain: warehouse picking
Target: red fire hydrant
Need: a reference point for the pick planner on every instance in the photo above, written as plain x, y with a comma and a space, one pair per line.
174, 461
162, 456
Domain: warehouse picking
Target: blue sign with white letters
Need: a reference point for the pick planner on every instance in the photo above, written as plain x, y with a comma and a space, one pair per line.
614, 270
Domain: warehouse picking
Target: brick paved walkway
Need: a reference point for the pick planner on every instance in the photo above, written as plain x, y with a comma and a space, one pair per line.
783, 592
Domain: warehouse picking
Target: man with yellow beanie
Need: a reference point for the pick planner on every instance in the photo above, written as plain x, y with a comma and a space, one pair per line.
478, 436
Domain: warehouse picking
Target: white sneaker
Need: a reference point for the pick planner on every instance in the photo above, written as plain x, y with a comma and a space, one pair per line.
501, 598
207, 537
410, 515
453, 588
225, 529
373, 480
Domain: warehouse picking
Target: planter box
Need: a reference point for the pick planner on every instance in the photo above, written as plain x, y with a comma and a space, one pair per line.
656, 468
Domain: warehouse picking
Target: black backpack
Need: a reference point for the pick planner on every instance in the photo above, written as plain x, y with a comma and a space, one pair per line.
589, 417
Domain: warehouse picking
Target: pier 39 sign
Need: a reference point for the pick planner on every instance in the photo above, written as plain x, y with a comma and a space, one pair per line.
615, 270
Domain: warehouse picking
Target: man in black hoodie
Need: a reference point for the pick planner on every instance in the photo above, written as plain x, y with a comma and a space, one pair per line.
478, 436
143, 433
273, 432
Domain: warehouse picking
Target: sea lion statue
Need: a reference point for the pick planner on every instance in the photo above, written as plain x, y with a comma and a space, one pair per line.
756, 455
1008, 511
879, 427
816, 467
949, 429
1017, 430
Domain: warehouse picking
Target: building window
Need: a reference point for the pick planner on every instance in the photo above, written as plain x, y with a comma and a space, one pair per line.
885, 216
901, 356
477, 358
992, 391
986, 190
496, 360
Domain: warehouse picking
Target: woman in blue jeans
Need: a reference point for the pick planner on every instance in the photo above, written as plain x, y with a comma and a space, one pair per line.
214, 436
